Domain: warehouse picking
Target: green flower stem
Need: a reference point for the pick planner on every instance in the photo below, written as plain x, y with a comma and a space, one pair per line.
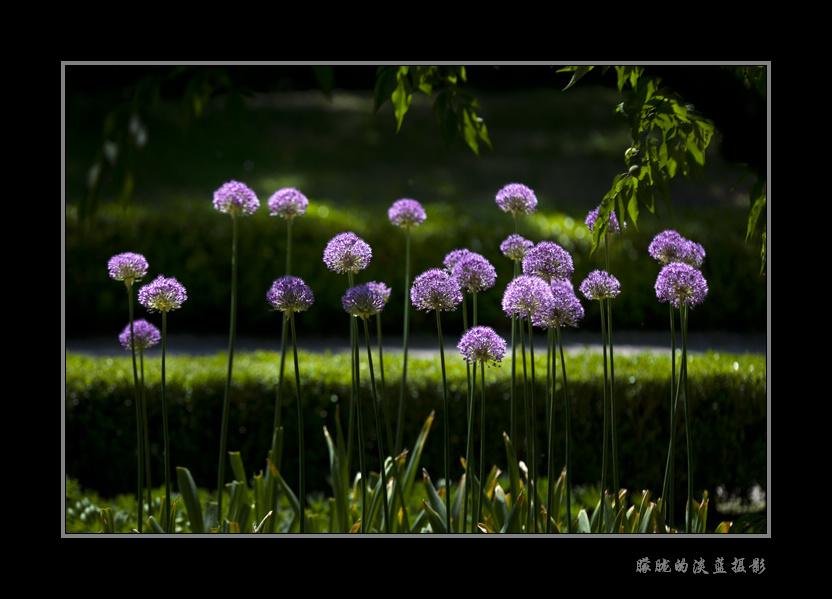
552, 370
615, 486
606, 423
688, 440
481, 494
512, 398
469, 483
382, 469
533, 433
568, 418
403, 388
139, 427
447, 432
527, 412
667, 487
148, 487
354, 386
167, 520
301, 445
227, 398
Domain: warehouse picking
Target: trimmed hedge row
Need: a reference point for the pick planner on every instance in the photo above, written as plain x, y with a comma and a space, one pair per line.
728, 406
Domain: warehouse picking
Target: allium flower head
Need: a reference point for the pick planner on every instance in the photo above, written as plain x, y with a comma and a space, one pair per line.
381, 289
681, 284
599, 285
474, 272
526, 295
162, 295
482, 344
290, 294
612, 225
127, 267
548, 261
406, 213
452, 257
235, 198
435, 289
694, 254
144, 335
668, 246
363, 300
288, 203
347, 252
515, 247
517, 199
566, 307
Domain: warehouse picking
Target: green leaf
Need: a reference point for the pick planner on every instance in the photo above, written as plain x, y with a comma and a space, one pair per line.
515, 520
515, 485
577, 73
190, 495
435, 501
583, 522
437, 522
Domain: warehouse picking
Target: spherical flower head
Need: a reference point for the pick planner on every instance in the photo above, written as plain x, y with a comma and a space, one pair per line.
162, 294
363, 301
517, 199
347, 252
600, 285
452, 257
612, 224
515, 247
406, 213
548, 261
482, 344
144, 335
474, 272
381, 289
667, 246
288, 203
290, 294
681, 284
435, 289
694, 254
235, 198
127, 267
527, 295
566, 307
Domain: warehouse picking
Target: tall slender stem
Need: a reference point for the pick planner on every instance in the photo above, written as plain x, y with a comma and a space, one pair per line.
615, 486
533, 431
552, 366
227, 399
667, 487
167, 520
301, 445
446, 427
148, 486
382, 469
139, 424
527, 414
688, 439
406, 331
469, 448
606, 424
568, 419
481, 494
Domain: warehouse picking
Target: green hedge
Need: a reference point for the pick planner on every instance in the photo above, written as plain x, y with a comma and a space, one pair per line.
728, 405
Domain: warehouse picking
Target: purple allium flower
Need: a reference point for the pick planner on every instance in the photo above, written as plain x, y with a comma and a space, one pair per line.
482, 344
363, 300
406, 213
515, 247
435, 289
162, 295
517, 199
612, 224
566, 307
526, 295
144, 334
681, 284
127, 267
600, 285
454, 256
694, 254
548, 261
668, 246
288, 203
347, 252
235, 198
381, 289
474, 272
290, 294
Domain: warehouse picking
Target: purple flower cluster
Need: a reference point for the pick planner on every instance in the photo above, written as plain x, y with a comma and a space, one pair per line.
482, 344
381, 289
668, 246
474, 272
435, 289
681, 284
527, 295
566, 307
162, 295
127, 267
290, 294
236, 198
363, 300
612, 224
549, 261
517, 199
452, 257
288, 203
600, 285
406, 213
145, 335
347, 252
515, 247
